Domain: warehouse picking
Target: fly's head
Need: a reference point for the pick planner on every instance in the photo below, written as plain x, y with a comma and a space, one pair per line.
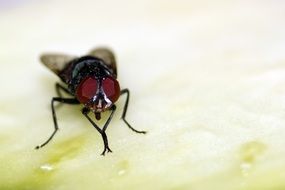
98, 93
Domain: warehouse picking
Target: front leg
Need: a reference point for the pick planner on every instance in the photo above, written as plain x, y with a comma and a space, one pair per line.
85, 112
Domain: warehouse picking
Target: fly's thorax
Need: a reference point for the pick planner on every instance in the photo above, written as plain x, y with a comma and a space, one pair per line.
80, 68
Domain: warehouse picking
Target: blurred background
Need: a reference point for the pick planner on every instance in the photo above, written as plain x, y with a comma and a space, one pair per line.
207, 81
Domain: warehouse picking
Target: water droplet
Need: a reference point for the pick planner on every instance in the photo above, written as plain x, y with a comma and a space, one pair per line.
121, 172
249, 152
46, 167
122, 167
245, 168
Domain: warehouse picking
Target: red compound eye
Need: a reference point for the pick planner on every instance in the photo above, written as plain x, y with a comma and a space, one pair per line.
111, 88
86, 90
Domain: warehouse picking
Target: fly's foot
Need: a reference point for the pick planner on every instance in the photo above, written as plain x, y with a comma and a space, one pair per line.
106, 149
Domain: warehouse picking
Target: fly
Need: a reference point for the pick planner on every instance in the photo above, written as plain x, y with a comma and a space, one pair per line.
91, 80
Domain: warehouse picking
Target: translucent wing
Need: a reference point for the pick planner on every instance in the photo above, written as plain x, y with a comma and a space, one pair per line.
56, 62
107, 56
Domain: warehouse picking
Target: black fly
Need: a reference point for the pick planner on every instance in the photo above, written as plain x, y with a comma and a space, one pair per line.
91, 80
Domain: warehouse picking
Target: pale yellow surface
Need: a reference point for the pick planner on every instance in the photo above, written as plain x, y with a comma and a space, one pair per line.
207, 81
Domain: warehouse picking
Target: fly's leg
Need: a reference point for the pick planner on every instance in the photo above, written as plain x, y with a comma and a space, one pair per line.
126, 91
71, 101
102, 131
59, 88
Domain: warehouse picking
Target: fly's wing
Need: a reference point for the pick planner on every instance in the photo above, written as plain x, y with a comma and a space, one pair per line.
56, 62
107, 56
